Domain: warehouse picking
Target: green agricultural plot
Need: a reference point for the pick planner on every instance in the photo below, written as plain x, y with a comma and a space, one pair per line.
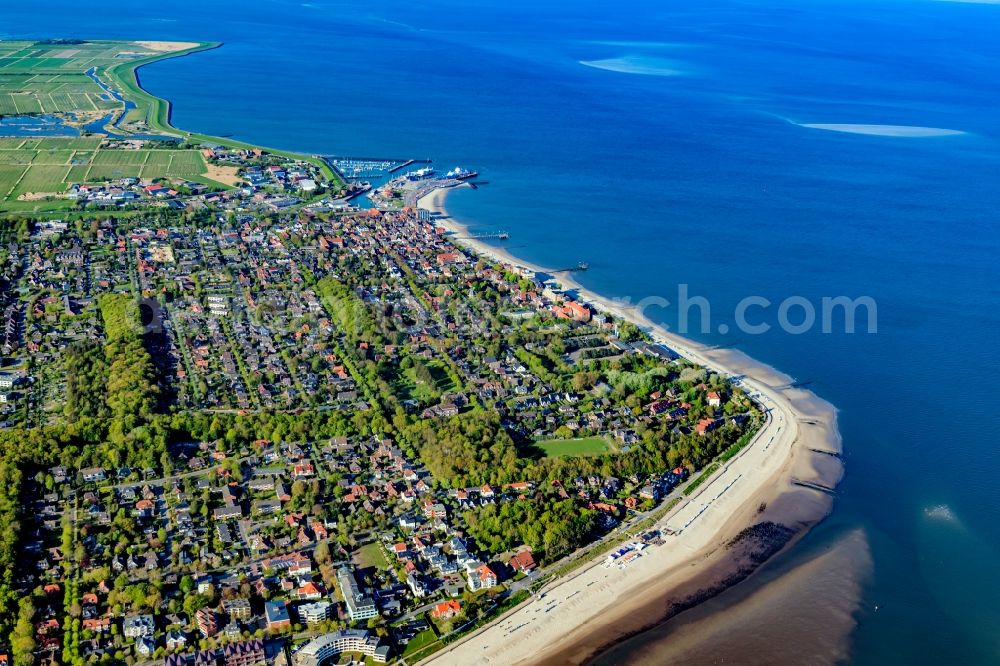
121, 157
17, 156
42, 178
159, 159
68, 143
186, 163
99, 173
77, 174
583, 446
9, 176
57, 143
51, 165
52, 157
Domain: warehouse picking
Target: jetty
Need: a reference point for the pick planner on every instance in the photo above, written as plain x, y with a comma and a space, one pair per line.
406, 164
812, 485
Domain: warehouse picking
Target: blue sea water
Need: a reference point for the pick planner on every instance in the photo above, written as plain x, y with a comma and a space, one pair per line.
663, 142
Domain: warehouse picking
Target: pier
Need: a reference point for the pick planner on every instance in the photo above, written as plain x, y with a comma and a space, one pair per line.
582, 266
496, 235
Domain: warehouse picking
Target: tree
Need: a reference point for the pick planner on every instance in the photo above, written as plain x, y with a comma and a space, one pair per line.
23, 638
322, 552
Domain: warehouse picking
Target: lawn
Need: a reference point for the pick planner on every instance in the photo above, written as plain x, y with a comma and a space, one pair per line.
419, 642
410, 386
702, 478
582, 446
371, 556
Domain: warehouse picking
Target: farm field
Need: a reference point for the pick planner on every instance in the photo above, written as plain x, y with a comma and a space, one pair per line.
55, 85
51, 77
51, 165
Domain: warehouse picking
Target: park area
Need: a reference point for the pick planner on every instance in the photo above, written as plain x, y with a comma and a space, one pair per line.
423, 380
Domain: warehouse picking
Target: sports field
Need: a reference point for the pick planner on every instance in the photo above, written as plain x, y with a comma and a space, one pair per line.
583, 446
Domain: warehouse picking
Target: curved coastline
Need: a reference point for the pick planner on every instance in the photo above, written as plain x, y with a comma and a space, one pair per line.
128, 78
710, 555
752, 508
167, 104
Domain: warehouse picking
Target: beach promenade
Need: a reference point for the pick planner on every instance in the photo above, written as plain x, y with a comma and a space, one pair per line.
598, 605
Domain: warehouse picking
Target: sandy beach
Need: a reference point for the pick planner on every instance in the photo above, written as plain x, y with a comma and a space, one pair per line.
167, 47
596, 606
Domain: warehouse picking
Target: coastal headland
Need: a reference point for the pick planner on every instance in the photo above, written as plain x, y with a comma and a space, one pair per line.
757, 503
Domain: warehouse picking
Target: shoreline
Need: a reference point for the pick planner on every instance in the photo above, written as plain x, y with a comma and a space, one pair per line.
597, 608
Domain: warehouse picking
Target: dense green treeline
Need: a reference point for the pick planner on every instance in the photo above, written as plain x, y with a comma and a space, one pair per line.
470, 449
550, 527
131, 388
348, 311
10, 489
86, 381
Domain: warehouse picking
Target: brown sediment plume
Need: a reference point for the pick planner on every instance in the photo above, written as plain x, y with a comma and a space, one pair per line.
802, 611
